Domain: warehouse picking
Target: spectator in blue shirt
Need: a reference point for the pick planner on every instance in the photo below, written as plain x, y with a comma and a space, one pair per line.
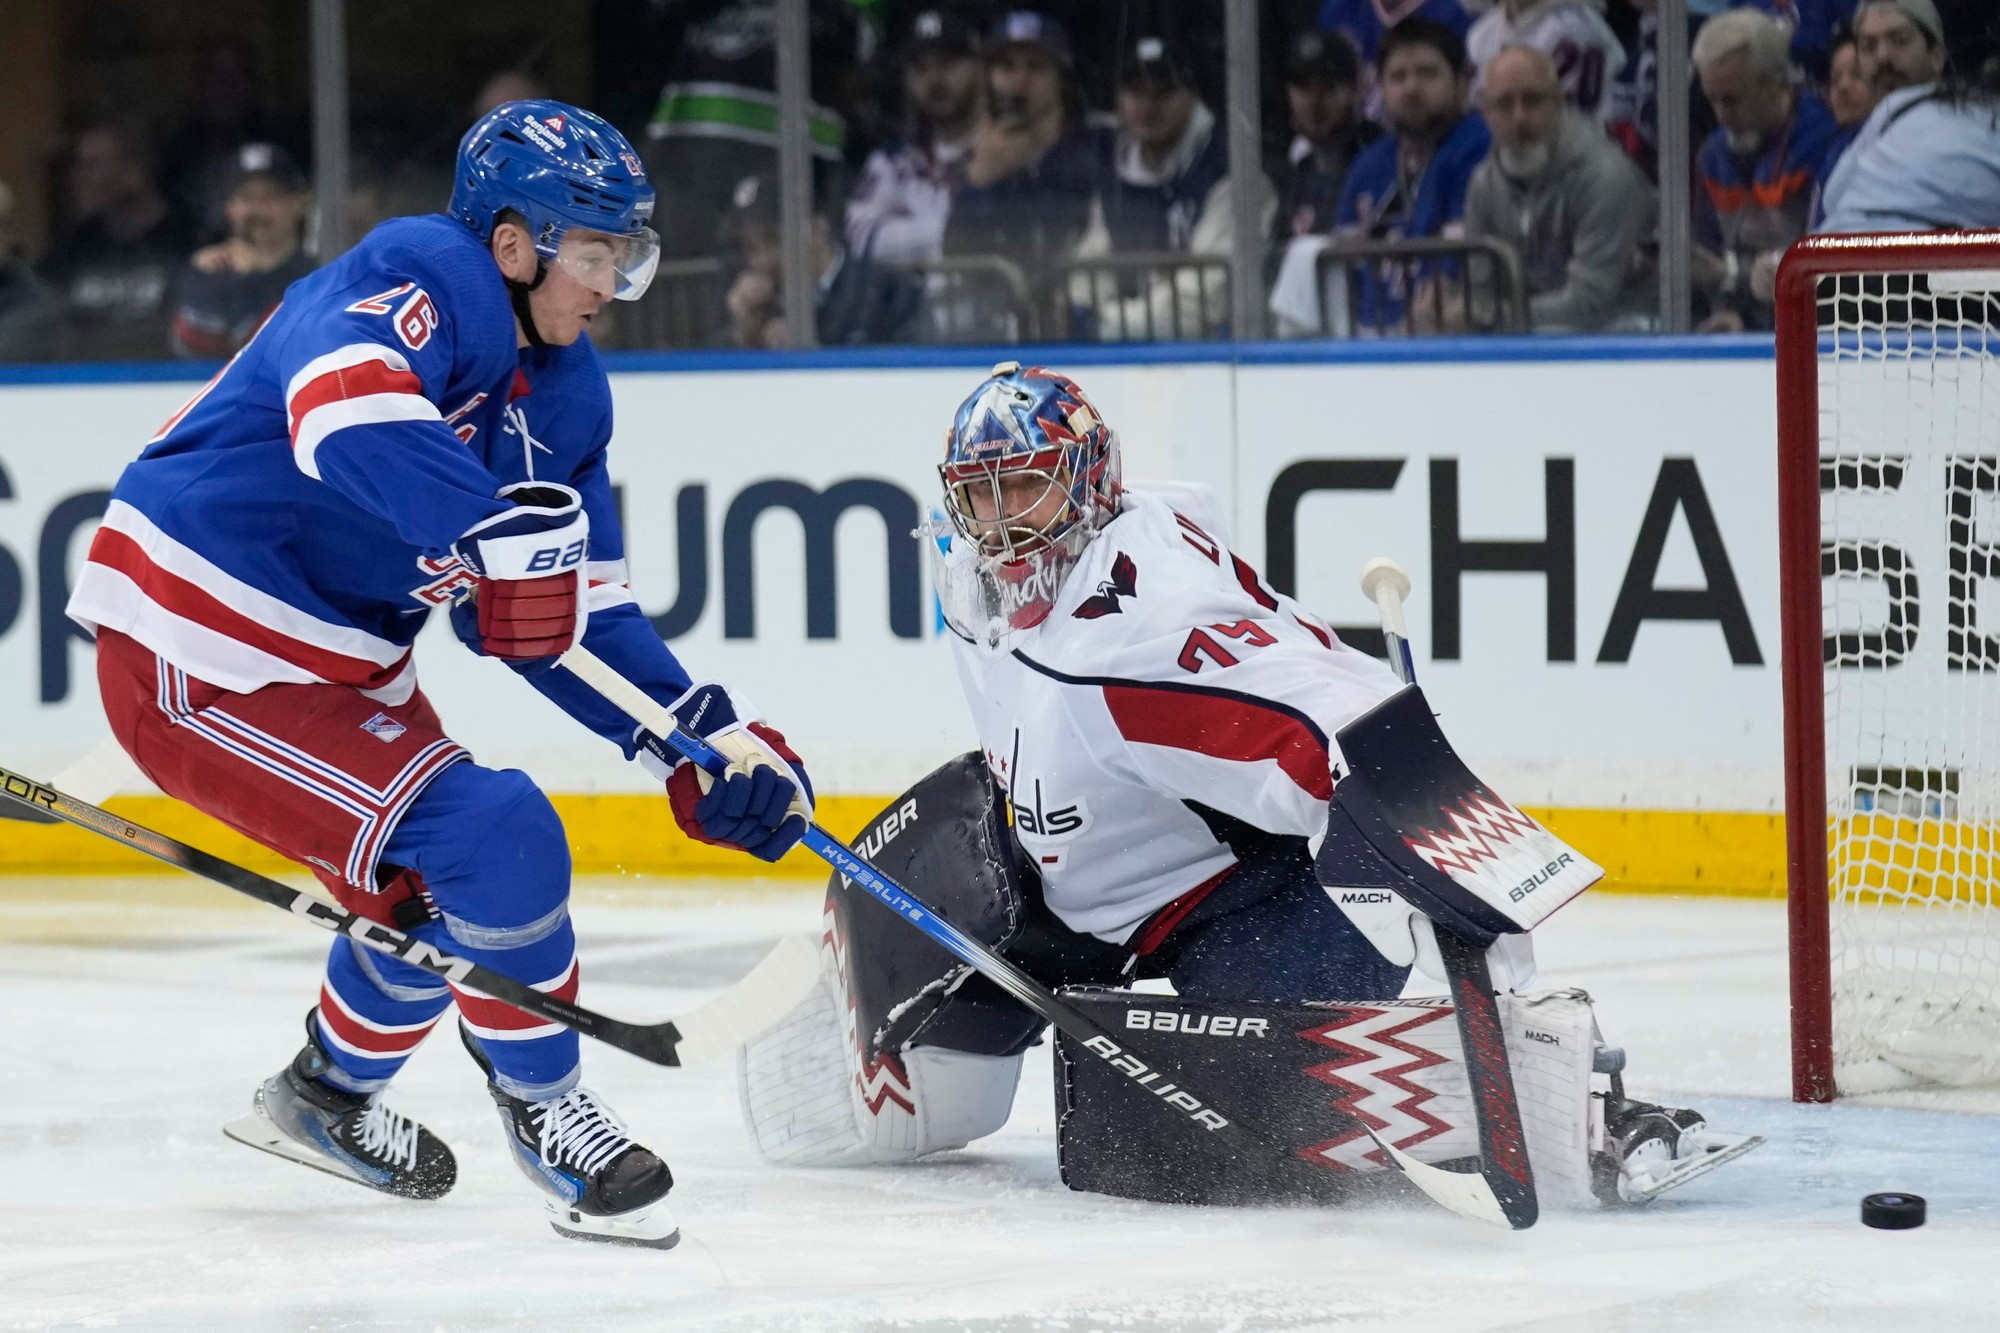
1412, 181
1927, 160
1035, 167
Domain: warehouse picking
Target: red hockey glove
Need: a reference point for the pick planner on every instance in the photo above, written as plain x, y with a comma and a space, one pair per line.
528, 606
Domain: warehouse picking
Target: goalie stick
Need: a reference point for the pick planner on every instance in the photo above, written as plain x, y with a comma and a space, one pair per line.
1502, 1191
766, 994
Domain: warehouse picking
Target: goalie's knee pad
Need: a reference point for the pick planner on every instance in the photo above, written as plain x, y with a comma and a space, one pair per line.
901, 1050
1315, 1078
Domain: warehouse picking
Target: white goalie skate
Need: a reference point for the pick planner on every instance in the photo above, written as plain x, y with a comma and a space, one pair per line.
1643, 1150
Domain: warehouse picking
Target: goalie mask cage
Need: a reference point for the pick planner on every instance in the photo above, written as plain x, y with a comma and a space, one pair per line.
1888, 359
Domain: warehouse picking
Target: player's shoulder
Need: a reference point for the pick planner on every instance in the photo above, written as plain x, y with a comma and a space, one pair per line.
1161, 560
437, 257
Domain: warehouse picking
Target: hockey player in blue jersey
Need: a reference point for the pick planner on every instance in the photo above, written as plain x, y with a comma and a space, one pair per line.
421, 423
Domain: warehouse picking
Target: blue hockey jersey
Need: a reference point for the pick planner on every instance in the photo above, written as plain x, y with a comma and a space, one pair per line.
293, 522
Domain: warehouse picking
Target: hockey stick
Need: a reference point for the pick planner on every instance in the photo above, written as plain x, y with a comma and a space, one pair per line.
1174, 1095
1503, 1189
760, 999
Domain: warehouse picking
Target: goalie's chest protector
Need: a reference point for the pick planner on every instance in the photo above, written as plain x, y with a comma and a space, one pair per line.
1167, 685
1111, 850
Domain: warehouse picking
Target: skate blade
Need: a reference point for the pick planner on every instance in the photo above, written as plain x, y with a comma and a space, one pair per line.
652, 1227
256, 1131
1728, 1147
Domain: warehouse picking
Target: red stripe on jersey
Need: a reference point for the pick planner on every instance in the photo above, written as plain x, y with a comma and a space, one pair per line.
1253, 585
115, 550
1223, 726
499, 1016
353, 1032
1325, 639
356, 381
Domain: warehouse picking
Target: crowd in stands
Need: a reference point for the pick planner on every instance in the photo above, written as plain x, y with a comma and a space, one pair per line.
986, 173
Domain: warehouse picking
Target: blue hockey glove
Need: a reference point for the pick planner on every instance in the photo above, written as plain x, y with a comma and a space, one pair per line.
761, 805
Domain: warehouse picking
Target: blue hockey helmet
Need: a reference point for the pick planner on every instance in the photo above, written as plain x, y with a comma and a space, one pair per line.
560, 167
1030, 473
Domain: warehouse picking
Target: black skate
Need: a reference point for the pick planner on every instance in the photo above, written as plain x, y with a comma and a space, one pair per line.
1647, 1149
296, 1116
597, 1184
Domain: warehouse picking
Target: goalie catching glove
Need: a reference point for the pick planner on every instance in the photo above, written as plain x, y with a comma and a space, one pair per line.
760, 805
527, 606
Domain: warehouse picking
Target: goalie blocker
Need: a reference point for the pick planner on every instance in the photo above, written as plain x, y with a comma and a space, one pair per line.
901, 1051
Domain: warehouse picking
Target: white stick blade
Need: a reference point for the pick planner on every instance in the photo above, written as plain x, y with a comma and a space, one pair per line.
1464, 1192
99, 775
753, 1005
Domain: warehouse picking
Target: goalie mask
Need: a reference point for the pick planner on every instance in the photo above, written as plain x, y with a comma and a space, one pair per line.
1030, 474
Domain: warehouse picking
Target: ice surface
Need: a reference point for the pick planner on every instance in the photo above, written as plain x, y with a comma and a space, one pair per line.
141, 1014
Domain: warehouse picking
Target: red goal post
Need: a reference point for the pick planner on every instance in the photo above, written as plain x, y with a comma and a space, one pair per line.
1890, 276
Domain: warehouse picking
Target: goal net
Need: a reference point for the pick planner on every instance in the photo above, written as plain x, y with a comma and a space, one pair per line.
1889, 429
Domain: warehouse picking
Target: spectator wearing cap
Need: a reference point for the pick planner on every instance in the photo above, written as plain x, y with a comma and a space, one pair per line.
1564, 196
897, 211
1901, 43
1927, 158
1169, 191
113, 266
1323, 93
1035, 165
30, 316
229, 288
1760, 170
1572, 33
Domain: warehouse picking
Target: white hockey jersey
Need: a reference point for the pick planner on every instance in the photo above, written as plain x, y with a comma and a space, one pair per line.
1167, 676
1586, 52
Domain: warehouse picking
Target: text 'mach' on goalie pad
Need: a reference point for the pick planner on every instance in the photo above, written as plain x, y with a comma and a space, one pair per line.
1469, 860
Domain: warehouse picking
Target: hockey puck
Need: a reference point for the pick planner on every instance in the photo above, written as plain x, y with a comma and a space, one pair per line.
1892, 1212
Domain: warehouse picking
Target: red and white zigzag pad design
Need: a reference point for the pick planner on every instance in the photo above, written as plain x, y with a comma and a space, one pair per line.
1481, 830
1492, 849
1380, 1051
882, 1080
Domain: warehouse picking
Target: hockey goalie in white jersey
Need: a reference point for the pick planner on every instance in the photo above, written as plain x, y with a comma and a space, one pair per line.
1169, 733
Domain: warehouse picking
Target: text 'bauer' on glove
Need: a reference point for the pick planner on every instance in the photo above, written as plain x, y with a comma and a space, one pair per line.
761, 804
527, 606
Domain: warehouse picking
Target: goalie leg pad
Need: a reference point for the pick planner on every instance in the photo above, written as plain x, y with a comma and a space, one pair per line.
947, 838
811, 1098
1317, 1077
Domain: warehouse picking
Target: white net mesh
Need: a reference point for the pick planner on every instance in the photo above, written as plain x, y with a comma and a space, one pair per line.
1909, 394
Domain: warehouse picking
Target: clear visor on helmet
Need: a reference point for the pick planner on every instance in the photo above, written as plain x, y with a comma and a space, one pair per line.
615, 267
987, 600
